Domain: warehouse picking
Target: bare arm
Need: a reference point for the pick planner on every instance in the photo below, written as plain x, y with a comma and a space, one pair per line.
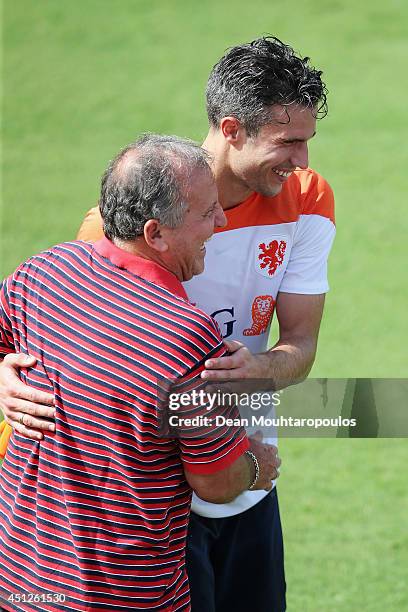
292, 357
224, 486
27, 410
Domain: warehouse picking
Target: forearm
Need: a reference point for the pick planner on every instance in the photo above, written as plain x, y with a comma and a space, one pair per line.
289, 361
286, 363
230, 482
225, 485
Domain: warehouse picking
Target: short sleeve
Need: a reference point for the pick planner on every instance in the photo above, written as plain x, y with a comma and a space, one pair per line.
91, 229
306, 272
209, 435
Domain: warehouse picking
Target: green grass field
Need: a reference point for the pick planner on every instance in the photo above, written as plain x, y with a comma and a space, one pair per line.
82, 78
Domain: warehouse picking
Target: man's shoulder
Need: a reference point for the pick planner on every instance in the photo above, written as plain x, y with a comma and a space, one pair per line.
305, 192
202, 321
304, 183
51, 256
308, 179
315, 194
193, 334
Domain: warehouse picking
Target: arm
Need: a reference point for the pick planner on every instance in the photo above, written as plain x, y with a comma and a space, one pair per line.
223, 486
292, 357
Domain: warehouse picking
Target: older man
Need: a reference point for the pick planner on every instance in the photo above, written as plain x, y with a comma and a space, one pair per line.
95, 515
262, 104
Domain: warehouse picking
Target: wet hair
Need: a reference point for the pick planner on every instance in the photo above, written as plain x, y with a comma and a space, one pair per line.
251, 78
149, 179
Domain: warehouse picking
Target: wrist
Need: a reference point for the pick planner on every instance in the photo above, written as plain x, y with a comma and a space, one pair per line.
254, 469
265, 372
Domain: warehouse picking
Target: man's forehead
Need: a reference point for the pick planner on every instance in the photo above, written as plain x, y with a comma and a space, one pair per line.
198, 178
295, 123
288, 113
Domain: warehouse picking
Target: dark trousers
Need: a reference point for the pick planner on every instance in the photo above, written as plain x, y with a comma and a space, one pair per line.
235, 564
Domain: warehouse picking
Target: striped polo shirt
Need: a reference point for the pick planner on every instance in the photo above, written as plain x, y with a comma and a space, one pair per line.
95, 515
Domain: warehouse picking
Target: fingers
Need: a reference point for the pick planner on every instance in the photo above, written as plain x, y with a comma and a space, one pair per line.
276, 472
25, 409
11, 385
269, 463
236, 366
267, 481
19, 360
30, 426
220, 374
15, 390
28, 433
14, 407
232, 345
30, 422
263, 448
222, 363
240, 353
273, 474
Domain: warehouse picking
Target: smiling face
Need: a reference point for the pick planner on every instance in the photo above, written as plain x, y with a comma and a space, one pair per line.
186, 244
263, 163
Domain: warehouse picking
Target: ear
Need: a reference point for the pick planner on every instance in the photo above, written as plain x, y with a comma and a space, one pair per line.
154, 237
232, 130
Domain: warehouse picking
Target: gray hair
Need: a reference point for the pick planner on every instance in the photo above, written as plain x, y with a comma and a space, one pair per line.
149, 179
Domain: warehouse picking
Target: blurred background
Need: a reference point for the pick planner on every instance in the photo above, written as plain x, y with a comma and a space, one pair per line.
83, 78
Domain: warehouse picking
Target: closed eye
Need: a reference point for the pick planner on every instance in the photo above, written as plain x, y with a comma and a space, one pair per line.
210, 212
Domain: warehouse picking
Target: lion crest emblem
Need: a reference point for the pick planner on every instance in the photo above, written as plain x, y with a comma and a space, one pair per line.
271, 255
262, 311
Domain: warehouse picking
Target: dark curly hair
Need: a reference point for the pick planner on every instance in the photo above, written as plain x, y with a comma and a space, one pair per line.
249, 79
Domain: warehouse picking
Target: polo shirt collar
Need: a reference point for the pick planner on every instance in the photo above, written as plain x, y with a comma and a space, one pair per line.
145, 268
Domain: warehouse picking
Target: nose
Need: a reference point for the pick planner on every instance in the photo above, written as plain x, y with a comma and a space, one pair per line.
300, 155
220, 220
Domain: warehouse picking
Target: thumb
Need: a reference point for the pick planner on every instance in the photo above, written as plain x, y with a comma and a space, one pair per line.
232, 345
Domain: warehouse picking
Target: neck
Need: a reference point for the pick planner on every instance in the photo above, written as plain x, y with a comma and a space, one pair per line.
139, 248
231, 190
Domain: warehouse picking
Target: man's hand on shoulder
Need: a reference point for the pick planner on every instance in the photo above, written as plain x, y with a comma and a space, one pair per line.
239, 364
286, 363
27, 410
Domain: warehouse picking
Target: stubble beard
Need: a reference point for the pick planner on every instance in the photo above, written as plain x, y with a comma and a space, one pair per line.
269, 191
